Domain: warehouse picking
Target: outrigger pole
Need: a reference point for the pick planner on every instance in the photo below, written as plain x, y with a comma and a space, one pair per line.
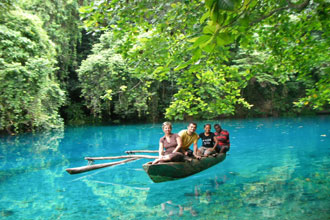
87, 168
141, 151
121, 157
128, 158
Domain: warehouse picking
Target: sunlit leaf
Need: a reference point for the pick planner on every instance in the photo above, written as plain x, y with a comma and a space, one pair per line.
204, 17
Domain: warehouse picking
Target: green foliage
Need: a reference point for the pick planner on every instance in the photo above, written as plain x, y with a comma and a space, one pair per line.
6, 5
75, 114
61, 22
178, 59
30, 96
317, 97
296, 50
107, 82
157, 47
201, 60
208, 93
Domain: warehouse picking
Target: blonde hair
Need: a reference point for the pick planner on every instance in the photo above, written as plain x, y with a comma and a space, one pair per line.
166, 123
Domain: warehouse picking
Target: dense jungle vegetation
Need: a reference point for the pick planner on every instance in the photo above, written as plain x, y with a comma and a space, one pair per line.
83, 61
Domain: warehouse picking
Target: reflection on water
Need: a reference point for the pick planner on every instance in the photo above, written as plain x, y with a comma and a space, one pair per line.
25, 161
277, 169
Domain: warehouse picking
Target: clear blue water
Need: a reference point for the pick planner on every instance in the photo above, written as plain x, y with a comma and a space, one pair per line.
277, 169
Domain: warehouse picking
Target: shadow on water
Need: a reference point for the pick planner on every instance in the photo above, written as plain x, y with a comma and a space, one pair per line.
188, 196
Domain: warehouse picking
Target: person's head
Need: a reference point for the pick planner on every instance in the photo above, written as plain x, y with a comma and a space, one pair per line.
217, 128
167, 127
207, 128
191, 127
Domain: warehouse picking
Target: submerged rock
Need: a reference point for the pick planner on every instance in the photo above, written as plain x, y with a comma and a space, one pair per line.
6, 213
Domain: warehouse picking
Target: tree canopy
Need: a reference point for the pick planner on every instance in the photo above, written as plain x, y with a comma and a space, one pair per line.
213, 49
38, 42
147, 59
30, 96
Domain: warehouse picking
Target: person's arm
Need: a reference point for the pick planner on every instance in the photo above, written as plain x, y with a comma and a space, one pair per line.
161, 149
181, 134
195, 150
178, 140
215, 143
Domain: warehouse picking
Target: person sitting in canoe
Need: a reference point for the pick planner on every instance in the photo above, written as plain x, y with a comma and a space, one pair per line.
223, 139
172, 144
209, 141
188, 137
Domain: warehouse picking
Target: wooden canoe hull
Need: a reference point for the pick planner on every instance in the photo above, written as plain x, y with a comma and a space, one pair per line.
175, 170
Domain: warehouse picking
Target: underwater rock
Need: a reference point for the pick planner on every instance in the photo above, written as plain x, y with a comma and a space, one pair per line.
6, 213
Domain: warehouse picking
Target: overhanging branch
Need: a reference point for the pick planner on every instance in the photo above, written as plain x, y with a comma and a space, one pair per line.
300, 6
291, 5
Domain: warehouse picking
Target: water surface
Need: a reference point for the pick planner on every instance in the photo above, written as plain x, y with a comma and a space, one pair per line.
277, 169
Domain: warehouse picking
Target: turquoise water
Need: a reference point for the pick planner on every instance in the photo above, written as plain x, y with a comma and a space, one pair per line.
277, 169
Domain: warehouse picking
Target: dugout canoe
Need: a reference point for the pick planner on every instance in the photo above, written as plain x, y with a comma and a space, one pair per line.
176, 170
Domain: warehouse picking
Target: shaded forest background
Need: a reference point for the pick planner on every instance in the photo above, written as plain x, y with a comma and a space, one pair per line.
80, 61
